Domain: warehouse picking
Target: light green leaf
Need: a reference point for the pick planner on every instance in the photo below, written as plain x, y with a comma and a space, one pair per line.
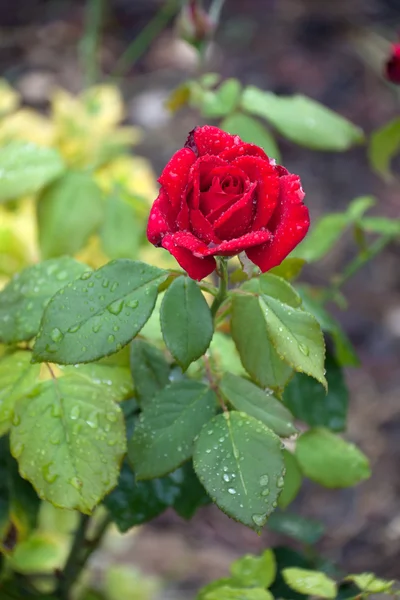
309, 402
250, 333
255, 571
289, 269
310, 583
69, 439
69, 212
123, 582
239, 462
149, 368
26, 168
186, 321
303, 120
274, 286
17, 377
380, 225
250, 399
224, 355
115, 380
296, 336
384, 146
40, 553
358, 207
163, 438
99, 313
228, 592
253, 132
369, 583
24, 299
120, 232
292, 480
220, 102
329, 460
299, 528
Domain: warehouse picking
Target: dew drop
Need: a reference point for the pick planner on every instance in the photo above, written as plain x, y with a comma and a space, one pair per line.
56, 410
114, 286
281, 482
49, 474
75, 482
74, 328
226, 477
116, 307
132, 303
96, 328
86, 275
16, 420
111, 339
56, 335
264, 480
75, 412
112, 417
259, 519
304, 349
232, 491
265, 492
105, 283
18, 448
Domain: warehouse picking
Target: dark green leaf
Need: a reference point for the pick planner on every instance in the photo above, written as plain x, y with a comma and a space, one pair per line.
314, 583
69, 439
309, 402
24, 299
163, 438
186, 321
120, 233
299, 528
239, 462
250, 399
69, 212
17, 377
302, 120
99, 313
384, 146
255, 571
26, 168
329, 460
192, 494
249, 331
149, 368
252, 131
292, 480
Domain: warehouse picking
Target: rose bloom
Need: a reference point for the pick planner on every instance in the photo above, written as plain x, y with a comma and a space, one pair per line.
220, 196
392, 68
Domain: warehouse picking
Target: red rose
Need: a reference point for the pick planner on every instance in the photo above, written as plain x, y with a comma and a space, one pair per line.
220, 196
393, 65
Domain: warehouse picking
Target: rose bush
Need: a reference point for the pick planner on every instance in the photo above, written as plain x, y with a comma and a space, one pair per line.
220, 196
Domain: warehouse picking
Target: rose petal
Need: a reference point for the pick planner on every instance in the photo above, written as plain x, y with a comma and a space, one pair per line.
232, 247
211, 140
289, 224
198, 172
243, 149
202, 228
175, 175
161, 219
182, 246
236, 221
210, 199
267, 178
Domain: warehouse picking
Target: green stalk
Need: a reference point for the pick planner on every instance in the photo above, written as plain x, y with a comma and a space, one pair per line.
89, 45
223, 286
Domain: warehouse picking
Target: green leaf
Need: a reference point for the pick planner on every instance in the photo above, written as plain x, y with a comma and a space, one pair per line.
369, 583
214, 585
309, 402
329, 460
286, 557
69, 439
344, 351
358, 207
24, 299
38, 554
309, 582
220, 102
233, 593
380, 225
296, 336
17, 377
135, 502
292, 480
123, 582
115, 380
290, 268
149, 368
224, 355
120, 232
384, 146
99, 313
274, 286
250, 333
24, 502
253, 132
250, 399
69, 212
163, 438
26, 168
186, 321
255, 571
303, 120
239, 462
299, 528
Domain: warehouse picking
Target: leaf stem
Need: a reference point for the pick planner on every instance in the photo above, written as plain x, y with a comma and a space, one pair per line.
223, 286
72, 566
